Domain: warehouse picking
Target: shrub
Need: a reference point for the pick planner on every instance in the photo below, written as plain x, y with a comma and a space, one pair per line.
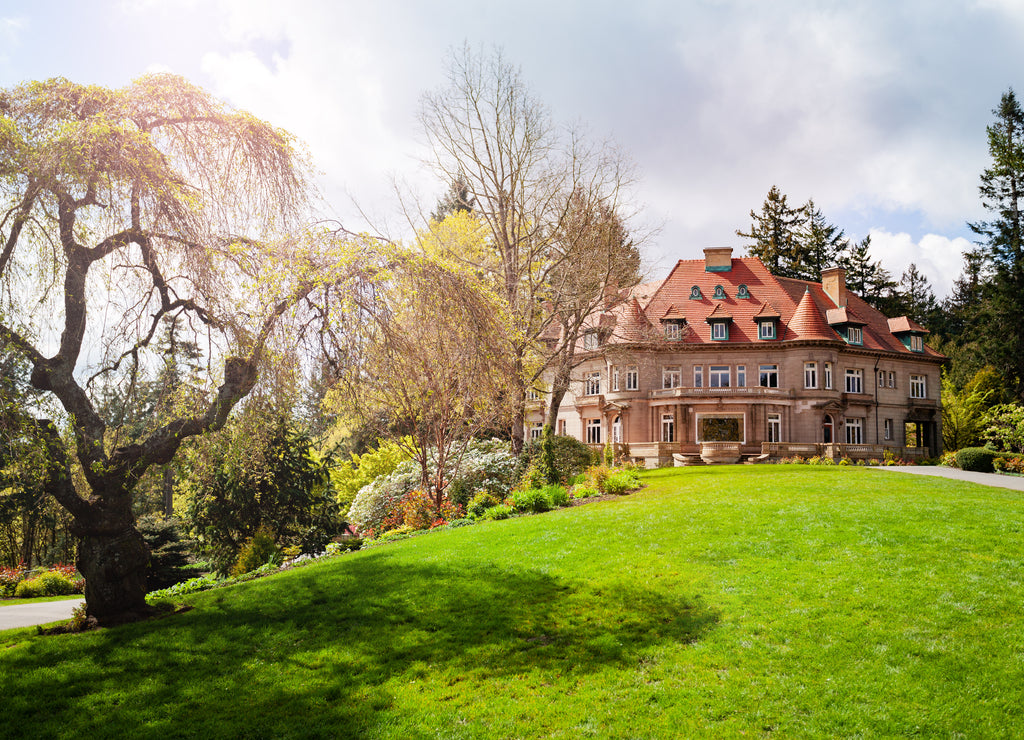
487, 465
596, 477
30, 588
361, 470
259, 550
609, 455
975, 459
399, 533
571, 457
582, 491
10, 578
533, 500
170, 555
557, 495
501, 511
848, 461
621, 482
481, 503
375, 500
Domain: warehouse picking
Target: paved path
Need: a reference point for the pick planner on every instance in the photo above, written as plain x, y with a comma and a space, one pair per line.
27, 615
1015, 482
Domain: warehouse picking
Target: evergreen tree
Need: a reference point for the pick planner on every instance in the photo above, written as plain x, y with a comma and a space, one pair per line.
914, 297
775, 233
458, 199
820, 244
1001, 252
866, 278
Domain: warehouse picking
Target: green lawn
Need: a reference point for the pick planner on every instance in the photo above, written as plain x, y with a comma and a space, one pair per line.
790, 601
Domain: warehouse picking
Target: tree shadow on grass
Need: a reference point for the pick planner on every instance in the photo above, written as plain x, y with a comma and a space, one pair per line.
320, 649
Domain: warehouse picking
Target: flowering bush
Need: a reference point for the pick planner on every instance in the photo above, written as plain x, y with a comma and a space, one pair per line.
10, 578
418, 510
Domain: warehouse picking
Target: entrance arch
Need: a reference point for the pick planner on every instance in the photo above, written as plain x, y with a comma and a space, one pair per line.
828, 430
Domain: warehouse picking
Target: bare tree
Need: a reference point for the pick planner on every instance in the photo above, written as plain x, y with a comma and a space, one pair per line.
121, 208
492, 136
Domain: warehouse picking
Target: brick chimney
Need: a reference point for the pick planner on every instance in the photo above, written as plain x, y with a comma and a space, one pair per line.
833, 282
718, 259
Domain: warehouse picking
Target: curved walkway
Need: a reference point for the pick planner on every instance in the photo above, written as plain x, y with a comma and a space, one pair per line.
1016, 482
27, 615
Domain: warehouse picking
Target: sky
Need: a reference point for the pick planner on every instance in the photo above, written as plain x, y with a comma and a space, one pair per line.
876, 110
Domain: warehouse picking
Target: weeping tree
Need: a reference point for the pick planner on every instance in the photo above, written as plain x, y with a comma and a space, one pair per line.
121, 208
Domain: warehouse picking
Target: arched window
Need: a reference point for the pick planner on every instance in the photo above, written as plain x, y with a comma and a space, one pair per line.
719, 293
695, 293
827, 430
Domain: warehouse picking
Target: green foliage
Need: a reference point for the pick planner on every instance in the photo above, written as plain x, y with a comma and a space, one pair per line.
481, 503
501, 511
170, 555
583, 491
609, 454
50, 583
259, 550
597, 476
531, 500
557, 495
286, 491
360, 470
546, 459
975, 459
571, 457
1005, 427
1013, 465
620, 482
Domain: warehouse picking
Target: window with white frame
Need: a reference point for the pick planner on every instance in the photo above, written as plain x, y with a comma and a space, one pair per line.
673, 331
590, 341
536, 430
888, 428
593, 431
698, 376
719, 330
827, 371
532, 394
741, 376
768, 376
561, 427
632, 378
918, 386
854, 380
892, 380
854, 335
916, 343
881, 379
810, 375
774, 427
671, 376
719, 376
668, 428
615, 378
766, 330
617, 430
854, 431
593, 384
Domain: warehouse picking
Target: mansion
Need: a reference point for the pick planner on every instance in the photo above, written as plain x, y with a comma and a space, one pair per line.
724, 361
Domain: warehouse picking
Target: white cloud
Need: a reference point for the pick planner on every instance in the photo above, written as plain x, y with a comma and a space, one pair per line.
938, 257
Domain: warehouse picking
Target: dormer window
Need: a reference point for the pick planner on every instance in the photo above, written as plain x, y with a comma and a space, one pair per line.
916, 343
673, 331
910, 333
767, 319
854, 335
695, 294
742, 292
846, 324
719, 293
720, 331
766, 329
591, 341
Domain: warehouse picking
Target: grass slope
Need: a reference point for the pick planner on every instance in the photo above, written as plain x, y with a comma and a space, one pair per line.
769, 600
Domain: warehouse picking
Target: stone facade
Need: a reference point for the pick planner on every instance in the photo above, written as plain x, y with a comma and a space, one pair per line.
722, 351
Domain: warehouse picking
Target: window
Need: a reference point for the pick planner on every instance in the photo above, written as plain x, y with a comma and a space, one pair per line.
774, 428
892, 380
561, 427
668, 428
888, 428
810, 375
854, 431
766, 330
617, 430
698, 376
916, 343
615, 378
828, 375
590, 341
671, 376
854, 335
532, 394
718, 376
768, 376
719, 331
673, 332
741, 376
720, 428
881, 379
695, 293
743, 291
855, 381
632, 378
593, 431
536, 430
719, 293
593, 384
918, 388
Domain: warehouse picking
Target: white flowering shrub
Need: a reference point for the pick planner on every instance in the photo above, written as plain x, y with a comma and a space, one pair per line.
375, 499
